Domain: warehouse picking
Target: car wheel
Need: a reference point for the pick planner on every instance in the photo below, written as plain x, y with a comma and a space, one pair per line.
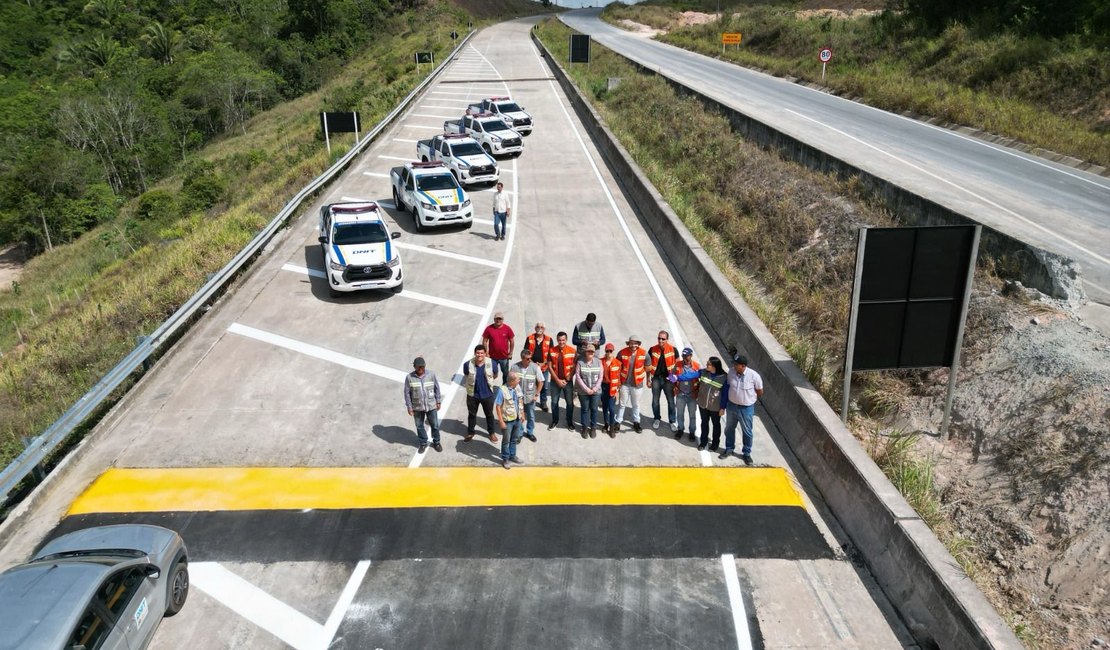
487, 149
416, 220
178, 588
397, 200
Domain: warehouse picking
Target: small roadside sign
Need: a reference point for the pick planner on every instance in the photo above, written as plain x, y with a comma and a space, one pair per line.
454, 36
731, 38
825, 55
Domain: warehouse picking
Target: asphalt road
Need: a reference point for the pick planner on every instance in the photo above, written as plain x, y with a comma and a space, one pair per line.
274, 437
1050, 205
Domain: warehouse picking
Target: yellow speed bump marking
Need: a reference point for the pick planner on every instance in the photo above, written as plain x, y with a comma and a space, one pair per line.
265, 488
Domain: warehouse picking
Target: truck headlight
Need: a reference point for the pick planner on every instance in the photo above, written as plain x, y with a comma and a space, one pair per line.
428, 206
394, 263
466, 203
336, 266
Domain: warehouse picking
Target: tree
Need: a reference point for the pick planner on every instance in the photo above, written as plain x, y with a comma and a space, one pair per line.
162, 43
230, 82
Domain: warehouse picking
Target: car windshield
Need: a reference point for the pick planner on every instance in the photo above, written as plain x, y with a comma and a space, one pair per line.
466, 149
509, 107
437, 182
370, 232
495, 125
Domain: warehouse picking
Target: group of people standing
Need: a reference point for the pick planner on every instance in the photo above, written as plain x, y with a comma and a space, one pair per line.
611, 383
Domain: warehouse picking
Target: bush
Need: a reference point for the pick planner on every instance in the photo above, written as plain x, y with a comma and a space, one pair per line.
156, 204
203, 186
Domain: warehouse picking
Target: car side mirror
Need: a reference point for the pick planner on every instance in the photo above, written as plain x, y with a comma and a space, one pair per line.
394, 235
323, 239
152, 571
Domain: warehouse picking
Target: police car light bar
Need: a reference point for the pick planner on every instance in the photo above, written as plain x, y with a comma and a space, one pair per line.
354, 208
454, 136
427, 165
499, 99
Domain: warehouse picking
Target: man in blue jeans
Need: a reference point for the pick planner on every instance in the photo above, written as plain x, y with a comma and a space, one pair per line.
509, 406
744, 387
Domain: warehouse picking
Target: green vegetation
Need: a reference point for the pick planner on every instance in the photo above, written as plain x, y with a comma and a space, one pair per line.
78, 308
1044, 90
783, 235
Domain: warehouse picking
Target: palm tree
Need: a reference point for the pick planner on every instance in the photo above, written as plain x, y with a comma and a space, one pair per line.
162, 43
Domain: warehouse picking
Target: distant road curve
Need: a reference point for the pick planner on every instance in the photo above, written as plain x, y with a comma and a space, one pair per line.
1046, 204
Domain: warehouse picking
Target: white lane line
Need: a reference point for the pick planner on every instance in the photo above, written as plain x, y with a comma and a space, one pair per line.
362, 365
453, 386
736, 601
445, 302
706, 458
405, 140
304, 270
403, 159
452, 108
454, 256
442, 117
377, 175
677, 336
387, 204
423, 126
358, 199
255, 605
984, 199
343, 604
452, 92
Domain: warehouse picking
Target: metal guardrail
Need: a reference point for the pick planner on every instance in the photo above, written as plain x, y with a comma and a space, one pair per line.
44, 444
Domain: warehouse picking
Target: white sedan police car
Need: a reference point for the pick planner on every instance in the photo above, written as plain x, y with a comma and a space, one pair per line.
358, 253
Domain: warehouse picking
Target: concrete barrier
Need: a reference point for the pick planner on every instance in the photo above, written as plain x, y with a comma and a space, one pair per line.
940, 605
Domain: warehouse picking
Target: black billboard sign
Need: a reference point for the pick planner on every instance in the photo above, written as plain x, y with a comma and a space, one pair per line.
423, 57
579, 48
340, 122
911, 296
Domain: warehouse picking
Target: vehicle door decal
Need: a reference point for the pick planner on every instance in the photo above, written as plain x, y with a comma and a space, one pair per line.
339, 254
140, 613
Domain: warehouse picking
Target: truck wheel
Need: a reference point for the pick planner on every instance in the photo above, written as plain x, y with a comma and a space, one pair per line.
397, 201
416, 220
486, 147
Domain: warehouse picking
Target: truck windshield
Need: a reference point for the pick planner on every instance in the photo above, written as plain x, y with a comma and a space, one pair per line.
437, 182
466, 149
371, 232
495, 125
508, 107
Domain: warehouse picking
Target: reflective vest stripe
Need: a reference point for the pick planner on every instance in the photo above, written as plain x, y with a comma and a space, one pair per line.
471, 378
509, 398
668, 357
563, 358
637, 365
545, 348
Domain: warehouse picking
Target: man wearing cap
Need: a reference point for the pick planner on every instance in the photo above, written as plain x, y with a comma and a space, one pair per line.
661, 359
538, 343
509, 404
610, 387
531, 383
686, 373
633, 378
588, 332
587, 381
745, 386
422, 399
499, 338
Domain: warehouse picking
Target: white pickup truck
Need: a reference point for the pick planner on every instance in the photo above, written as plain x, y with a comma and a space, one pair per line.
430, 191
357, 248
463, 156
513, 113
496, 137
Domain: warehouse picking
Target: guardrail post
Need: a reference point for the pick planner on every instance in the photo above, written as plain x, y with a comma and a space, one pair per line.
139, 342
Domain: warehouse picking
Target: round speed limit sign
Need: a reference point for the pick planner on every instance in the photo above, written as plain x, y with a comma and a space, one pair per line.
825, 55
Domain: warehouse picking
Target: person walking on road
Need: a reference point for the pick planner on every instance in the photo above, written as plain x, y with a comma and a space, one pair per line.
610, 386
501, 209
633, 377
509, 404
686, 373
661, 361
745, 386
710, 396
499, 340
478, 375
422, 399
560, 365
587, 381
531, 383
588, 332
539, 345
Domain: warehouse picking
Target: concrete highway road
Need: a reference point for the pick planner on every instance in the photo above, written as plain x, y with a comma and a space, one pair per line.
1055, 207
275, 439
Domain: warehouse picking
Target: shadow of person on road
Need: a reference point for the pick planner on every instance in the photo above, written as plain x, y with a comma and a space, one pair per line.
397, 435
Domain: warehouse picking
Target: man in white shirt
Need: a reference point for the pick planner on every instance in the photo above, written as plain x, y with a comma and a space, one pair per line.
745, 386
501, 209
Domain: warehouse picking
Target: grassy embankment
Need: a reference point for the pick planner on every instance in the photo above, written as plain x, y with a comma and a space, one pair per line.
783, 235
1051, 94
78, 310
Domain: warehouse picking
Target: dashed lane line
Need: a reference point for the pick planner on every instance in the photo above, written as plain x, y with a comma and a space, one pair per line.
736, 600
407, 293
454, 256
354, 363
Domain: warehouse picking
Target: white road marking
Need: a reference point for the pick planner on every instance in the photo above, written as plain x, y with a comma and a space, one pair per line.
706, 458
454, 256
362, 365
401, 158
736, 601
343, 604
255, 605
453, 92
442, 117
461, 103
405, 140
418, 458
387, 204
454, 304
984, 199
304, 270
677, 336
375, 174
424, 126
357, 199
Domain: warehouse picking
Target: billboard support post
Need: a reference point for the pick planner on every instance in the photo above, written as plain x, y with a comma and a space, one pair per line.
860, 245
954, 370
327, 139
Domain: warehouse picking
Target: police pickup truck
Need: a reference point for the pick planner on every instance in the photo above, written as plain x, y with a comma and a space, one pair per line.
358, 253
496, 137
430, 192
508, 110
463, 156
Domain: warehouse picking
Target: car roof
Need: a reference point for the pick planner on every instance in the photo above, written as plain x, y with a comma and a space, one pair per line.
140, 537
361, 212
41, 602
